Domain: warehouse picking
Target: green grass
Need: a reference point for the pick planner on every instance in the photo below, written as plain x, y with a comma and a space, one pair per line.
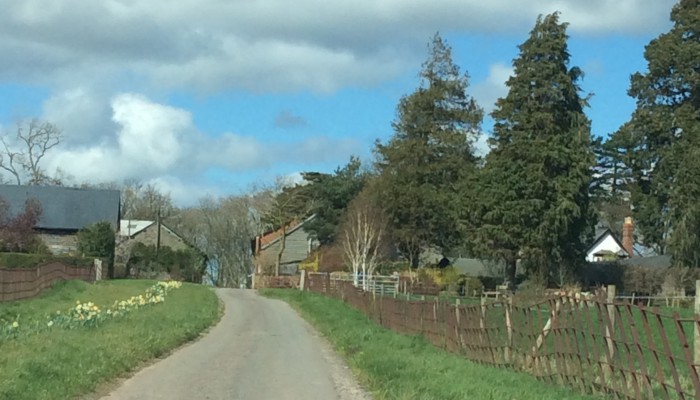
62, 364
395, 366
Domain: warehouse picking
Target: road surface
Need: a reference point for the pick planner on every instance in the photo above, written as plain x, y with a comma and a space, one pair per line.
261, 349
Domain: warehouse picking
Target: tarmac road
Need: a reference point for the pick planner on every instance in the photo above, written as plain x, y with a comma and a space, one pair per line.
261, 349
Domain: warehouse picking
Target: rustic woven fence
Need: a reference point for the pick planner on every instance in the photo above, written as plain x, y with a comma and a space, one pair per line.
593, 344
16, 284
276, 282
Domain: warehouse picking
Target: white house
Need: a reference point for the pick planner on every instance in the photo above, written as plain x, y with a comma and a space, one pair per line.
606, 247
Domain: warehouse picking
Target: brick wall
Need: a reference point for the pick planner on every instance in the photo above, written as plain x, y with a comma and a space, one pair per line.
16, 284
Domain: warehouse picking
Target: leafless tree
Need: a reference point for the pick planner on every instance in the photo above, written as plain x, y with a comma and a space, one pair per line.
223, 230
145, 202
21, 156
364, 236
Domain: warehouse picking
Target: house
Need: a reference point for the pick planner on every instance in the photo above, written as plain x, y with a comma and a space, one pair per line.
607, 247
132, 231
65, 211
146, 232
298, 245
149, 233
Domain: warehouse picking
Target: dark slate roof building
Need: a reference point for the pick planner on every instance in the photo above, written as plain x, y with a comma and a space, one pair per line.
65, 209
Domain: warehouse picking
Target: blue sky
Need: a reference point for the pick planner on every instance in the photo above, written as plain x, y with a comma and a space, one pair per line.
208, 98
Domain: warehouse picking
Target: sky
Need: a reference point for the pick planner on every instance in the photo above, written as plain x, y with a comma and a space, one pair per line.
211, 97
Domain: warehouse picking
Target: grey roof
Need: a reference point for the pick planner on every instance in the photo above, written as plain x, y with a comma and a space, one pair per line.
65, 208
653, 262
477, 267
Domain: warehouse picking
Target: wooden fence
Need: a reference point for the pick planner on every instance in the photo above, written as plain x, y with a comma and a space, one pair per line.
16, 284
276, 282
595, 344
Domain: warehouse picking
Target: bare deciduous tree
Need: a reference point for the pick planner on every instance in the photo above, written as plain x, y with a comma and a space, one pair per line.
223, 230
364, 236
283, 205
21, 156
145, 202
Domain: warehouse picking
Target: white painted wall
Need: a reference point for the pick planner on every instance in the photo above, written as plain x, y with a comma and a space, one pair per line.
608, 243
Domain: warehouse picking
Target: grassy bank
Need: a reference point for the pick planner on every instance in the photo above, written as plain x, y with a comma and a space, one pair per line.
64, 363
394, 366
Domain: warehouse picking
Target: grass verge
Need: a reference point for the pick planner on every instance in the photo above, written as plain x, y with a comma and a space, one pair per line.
62, 364
395, 366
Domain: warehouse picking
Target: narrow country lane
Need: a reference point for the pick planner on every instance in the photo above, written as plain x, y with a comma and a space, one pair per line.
261, 349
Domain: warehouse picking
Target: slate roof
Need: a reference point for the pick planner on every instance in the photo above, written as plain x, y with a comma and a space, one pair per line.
65, 208
653, 262
476, 267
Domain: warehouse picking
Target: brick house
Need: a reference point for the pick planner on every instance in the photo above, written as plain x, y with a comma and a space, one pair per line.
65, 211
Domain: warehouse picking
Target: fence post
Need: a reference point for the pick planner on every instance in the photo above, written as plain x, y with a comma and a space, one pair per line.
422, 307
98, 269
696, 348
458, 334
509, 330
609, 329
302, 280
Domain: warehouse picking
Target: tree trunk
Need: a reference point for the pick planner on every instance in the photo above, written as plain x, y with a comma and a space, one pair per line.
511, 268
283, 242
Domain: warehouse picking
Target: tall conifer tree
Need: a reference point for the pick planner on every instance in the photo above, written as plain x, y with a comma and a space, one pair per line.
534, 189
430, 152
665, 133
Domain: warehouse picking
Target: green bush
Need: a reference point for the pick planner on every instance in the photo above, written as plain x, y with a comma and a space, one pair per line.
29, 261
98, 240
147, 261
470, 285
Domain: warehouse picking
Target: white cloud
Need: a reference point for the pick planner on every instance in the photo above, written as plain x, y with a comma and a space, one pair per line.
158, 143
82, 114
493, 87
269, 45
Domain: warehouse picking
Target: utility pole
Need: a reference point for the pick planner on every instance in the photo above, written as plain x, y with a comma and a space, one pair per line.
158, 232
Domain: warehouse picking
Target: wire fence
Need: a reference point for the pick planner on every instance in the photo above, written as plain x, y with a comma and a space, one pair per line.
596, 344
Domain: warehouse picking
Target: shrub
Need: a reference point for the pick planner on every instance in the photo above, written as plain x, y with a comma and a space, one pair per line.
17, 233
97, 240
145, 261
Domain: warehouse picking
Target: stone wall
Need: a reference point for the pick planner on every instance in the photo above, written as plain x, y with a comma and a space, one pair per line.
60, 243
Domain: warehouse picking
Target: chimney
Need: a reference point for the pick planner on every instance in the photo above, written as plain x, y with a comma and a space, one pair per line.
628, 236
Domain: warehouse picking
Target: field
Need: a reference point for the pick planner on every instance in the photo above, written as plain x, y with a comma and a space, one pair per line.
65, 362
395, 366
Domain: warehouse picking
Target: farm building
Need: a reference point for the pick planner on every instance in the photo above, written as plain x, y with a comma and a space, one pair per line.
298, 245
65, 211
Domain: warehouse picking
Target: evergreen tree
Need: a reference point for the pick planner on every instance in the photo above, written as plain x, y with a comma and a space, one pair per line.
330, 195
534, 189
665, 132
429, 154
612, 181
